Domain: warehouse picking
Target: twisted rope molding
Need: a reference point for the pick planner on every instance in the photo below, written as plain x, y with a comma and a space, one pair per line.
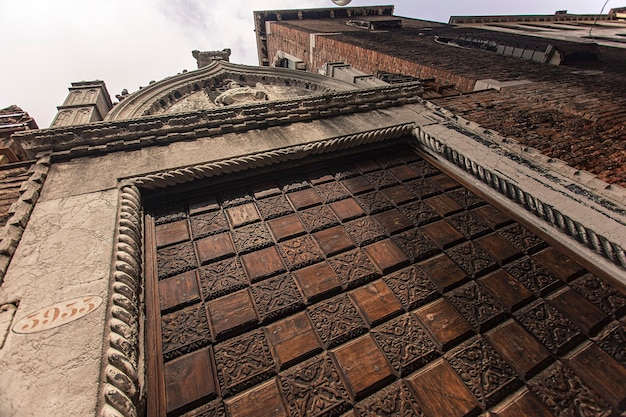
20, 212
120, 389
579, 231
182, 175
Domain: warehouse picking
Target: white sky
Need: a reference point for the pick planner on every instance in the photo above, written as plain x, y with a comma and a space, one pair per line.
127, 43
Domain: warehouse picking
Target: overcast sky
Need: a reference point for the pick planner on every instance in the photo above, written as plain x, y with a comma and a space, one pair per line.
127, 43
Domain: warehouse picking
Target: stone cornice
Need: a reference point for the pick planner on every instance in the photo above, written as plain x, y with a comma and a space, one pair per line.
536, 194
105, 137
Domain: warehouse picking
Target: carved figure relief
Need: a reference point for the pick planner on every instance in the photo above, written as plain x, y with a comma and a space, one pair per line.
237, 94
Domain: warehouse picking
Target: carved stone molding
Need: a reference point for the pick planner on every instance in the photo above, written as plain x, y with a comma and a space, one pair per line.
161, 95
87, 140
20, 212
119, 392
514, 191
263, 159
121, 387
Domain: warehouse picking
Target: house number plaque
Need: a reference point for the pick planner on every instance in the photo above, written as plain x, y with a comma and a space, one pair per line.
57, 314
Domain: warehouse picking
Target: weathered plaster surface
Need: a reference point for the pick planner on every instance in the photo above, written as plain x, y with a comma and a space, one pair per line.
65, 252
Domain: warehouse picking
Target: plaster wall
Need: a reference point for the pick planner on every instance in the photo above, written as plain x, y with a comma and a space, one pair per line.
65, 253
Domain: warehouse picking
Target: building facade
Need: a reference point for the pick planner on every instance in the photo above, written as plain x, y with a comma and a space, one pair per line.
366, 228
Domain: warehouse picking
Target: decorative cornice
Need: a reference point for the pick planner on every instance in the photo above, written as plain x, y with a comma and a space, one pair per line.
120, 388
20, 212
263, 159
582, 233
144, 101
105, 137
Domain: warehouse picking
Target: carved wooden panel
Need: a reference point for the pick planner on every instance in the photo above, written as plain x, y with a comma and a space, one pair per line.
243, 361
353, 268
566, 395
221, 278
483, 371
332, 191
176, 259
411, 286
468, 224
336, 320
373, 203
185, 330
299, 252
522, 239
272, 207
251, 237
314, 389
416, 245
533, 276
318, 218
423, 188
405, 343
395, 400
472, 259
476, 305
365, 230
551, 328
419, 212
612, 339
276, 297
208, 224
377, 286
601, 294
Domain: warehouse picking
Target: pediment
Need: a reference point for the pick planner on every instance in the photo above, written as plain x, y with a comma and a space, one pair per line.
222, 84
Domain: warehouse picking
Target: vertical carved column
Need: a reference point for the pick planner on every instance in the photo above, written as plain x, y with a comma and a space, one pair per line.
119, 394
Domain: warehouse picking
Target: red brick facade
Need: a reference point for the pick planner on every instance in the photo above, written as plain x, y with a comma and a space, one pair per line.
576, 113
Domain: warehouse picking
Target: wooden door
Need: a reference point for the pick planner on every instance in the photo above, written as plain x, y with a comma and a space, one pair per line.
378, 286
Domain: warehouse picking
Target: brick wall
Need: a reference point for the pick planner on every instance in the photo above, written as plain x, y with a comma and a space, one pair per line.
556, 128
332, 48
575, 113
